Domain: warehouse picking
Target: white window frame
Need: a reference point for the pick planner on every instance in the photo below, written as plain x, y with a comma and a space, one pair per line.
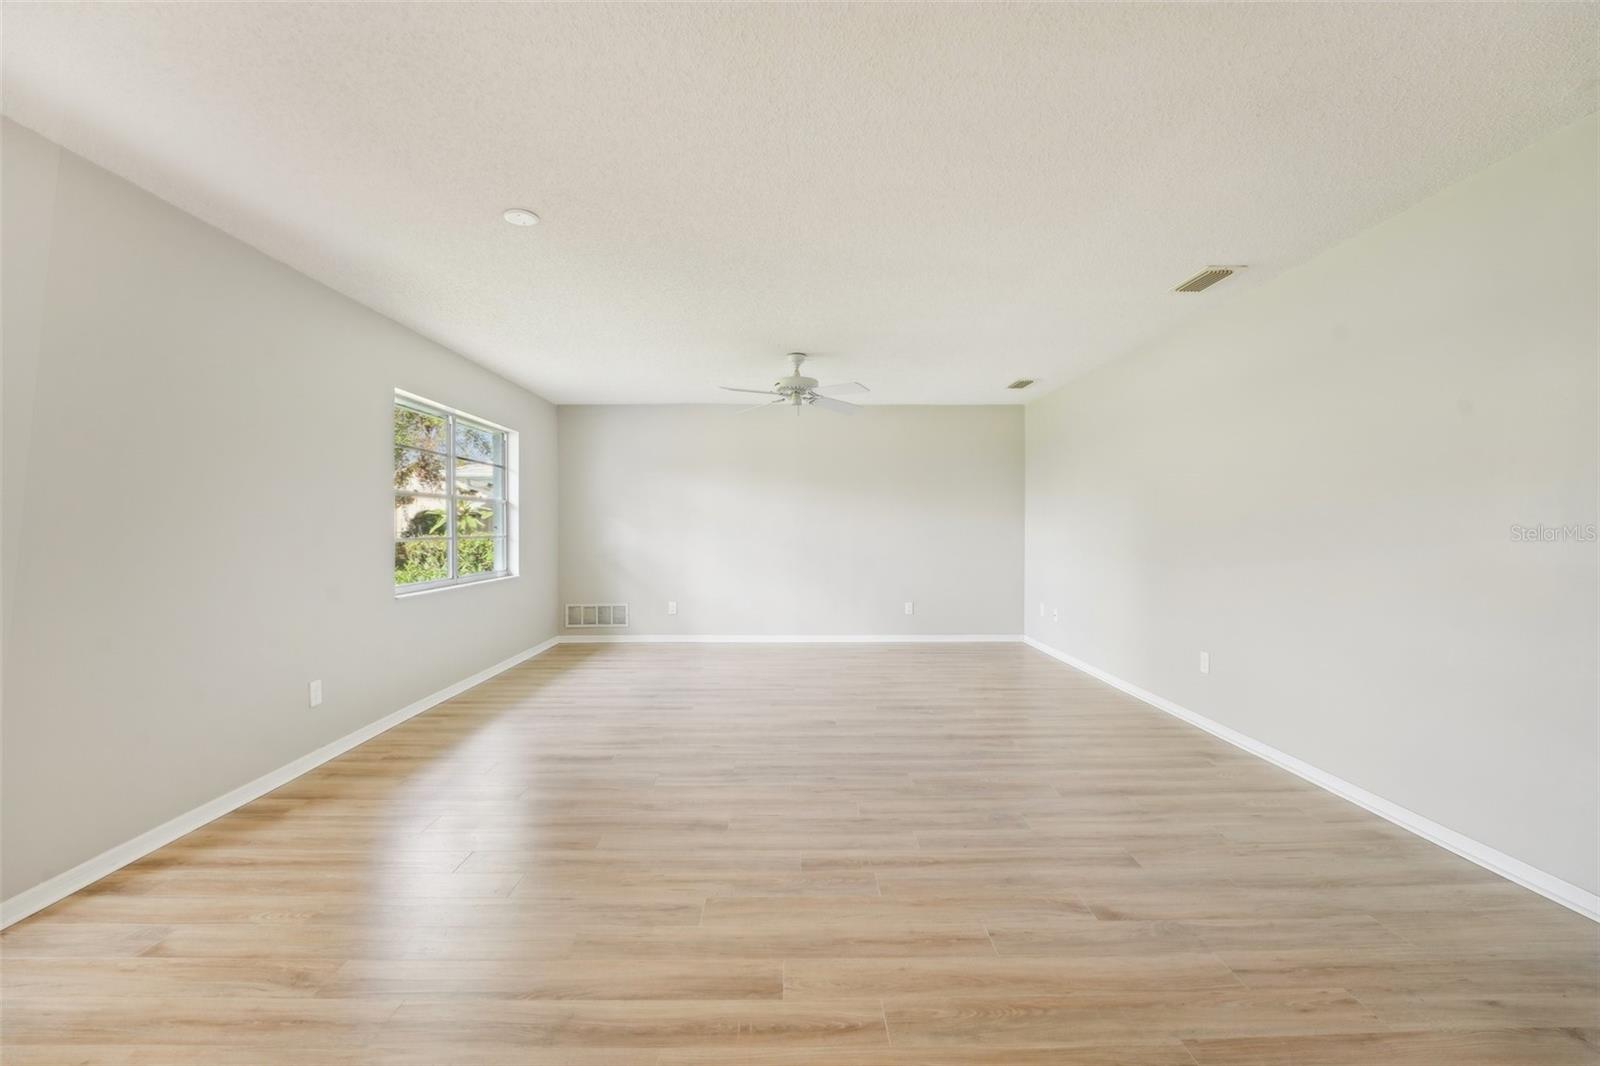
509, 452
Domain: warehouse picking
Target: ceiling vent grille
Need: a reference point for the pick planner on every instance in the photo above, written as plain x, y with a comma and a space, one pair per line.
1020, 383
596, 615
1207, 278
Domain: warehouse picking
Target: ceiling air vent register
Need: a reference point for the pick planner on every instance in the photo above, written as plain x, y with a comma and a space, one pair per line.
1207, 278
1020, 383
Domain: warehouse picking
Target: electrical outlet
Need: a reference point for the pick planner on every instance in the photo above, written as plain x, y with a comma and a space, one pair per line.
672, 606
909, 607
315, 693
1205, 662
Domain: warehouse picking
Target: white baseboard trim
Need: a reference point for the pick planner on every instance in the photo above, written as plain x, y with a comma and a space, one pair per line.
85, 873
1515, 870
799, 638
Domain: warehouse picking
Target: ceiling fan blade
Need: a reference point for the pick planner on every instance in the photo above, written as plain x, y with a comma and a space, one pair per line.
844, 388
758, 392
760, 406
828, 403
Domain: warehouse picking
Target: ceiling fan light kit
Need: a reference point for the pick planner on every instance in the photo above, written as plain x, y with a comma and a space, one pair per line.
797, 391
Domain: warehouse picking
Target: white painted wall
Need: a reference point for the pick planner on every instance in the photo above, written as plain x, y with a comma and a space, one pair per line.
1318, 485
196, 515
767, 523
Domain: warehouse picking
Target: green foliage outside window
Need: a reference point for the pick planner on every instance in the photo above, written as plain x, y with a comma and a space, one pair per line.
423, 446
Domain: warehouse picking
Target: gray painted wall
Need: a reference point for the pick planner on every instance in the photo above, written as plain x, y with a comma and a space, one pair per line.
1318, 484
770, 523
196, 515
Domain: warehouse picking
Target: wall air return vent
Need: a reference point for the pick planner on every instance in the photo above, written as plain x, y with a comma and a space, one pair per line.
1207, 278
596, 615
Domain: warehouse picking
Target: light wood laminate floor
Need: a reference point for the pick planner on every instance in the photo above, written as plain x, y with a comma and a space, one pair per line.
801, 855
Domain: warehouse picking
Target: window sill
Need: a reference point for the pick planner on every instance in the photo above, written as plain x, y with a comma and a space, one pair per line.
403, 594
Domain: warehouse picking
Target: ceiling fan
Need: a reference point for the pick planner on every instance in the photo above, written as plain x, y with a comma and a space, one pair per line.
798, 391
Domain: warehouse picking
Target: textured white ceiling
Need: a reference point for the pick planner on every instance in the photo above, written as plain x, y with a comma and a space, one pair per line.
934, 199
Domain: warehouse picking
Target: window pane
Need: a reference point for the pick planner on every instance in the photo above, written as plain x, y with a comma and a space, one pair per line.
418, 471
420, 560
476, 442
479, 479
477, 555
452, 520
420, 516
475, 519
418, 429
